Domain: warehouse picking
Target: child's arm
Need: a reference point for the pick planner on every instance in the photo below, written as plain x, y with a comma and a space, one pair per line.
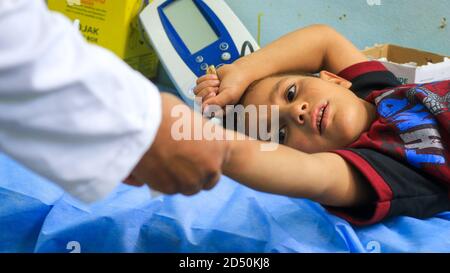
323, 177
309, 49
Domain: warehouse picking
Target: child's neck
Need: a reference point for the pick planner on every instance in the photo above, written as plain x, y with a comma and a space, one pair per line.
370, 114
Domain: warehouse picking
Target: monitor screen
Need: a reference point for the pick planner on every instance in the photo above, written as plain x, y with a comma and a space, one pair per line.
190, 25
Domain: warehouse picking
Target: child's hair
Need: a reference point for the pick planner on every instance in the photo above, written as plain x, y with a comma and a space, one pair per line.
251, 88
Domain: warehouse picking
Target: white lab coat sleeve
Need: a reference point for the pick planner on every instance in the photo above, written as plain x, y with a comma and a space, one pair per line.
70, 111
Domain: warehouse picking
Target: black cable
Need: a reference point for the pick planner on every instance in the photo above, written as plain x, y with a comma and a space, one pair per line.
244, 47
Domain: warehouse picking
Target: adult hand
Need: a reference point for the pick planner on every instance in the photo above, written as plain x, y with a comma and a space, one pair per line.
180, 166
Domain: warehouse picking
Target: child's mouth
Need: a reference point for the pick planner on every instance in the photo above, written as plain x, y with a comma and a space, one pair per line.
320, 119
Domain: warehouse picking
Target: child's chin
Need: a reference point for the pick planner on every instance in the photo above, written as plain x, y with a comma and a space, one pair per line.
346, 136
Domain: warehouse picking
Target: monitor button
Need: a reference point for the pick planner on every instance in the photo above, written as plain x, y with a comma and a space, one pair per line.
224, 46
226, 56
199, 59
204, 66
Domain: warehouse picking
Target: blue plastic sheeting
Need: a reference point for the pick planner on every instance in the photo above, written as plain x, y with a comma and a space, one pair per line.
37, 216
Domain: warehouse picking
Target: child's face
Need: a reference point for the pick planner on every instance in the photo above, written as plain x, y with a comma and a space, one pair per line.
316, 114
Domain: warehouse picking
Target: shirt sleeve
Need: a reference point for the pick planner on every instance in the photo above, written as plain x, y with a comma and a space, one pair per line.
70, 111
367, 77
399, 189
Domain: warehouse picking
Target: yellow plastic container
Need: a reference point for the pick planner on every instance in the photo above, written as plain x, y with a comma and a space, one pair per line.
112, 24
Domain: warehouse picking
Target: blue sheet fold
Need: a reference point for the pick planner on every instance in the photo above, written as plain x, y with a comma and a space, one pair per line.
37, 216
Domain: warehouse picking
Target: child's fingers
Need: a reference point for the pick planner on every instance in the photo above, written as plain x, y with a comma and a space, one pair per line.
207, 77
205, 98
221, 99
206, 84
207, 91
210, 95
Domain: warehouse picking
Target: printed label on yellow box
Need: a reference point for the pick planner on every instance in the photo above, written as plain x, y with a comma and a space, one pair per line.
113, 25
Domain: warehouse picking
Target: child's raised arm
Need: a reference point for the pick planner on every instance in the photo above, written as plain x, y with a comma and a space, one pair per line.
310, 49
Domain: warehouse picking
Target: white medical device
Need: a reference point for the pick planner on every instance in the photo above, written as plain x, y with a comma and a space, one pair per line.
190, 35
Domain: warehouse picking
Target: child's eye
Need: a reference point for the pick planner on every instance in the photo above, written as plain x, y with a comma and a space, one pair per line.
282, 135
291, 92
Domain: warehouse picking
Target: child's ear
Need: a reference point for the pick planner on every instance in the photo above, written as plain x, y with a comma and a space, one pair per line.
330, 77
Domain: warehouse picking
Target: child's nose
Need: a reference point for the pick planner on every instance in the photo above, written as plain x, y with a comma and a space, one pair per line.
298, 112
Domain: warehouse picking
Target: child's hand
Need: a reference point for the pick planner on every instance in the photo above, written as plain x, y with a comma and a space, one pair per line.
207, 87
223, 89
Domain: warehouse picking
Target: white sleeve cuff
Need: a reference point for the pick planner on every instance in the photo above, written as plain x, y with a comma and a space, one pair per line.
127, 157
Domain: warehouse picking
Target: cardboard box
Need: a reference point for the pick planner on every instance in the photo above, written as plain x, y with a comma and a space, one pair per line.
113, 25
411, 65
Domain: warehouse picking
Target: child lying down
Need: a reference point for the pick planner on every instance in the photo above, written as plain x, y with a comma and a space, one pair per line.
355, 139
